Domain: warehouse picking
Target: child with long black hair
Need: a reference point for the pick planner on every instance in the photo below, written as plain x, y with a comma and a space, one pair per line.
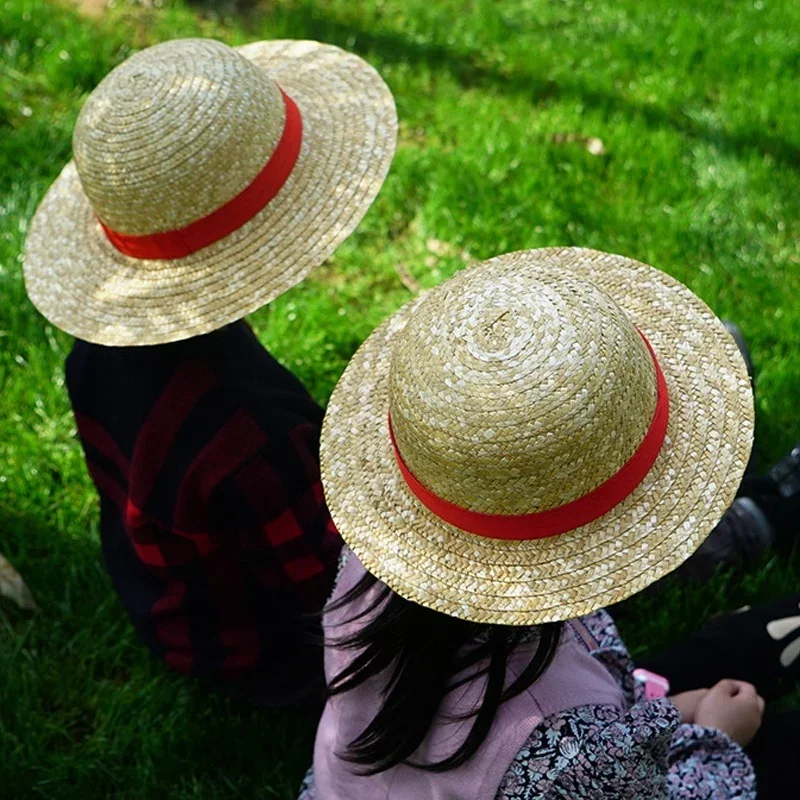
542, 436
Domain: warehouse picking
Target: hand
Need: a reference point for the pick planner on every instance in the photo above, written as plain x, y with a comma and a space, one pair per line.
687, 703
733, 707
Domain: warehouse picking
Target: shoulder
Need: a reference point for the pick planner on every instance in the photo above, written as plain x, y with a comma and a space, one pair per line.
259, 383
602, 629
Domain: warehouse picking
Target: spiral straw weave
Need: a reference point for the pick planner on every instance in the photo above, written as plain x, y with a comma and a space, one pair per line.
519, 386
168, 137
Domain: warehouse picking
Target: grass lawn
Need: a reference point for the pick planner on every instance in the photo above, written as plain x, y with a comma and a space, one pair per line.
696, 108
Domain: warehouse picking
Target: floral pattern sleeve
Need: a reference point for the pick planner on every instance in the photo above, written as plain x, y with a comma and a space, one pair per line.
711, 763
600, 753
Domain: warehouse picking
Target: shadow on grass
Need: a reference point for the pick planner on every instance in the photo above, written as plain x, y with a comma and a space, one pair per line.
469, 72
86, 709
243, 9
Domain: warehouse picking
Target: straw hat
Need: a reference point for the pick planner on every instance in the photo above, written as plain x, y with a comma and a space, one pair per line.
542, 435
206, 182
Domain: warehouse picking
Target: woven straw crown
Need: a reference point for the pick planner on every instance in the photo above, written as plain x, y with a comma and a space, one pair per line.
529, 397
173, 133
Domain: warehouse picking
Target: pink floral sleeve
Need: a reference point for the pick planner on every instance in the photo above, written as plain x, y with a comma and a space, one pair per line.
600, 753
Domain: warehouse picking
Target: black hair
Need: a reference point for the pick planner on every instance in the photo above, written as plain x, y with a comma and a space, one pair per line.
425, 655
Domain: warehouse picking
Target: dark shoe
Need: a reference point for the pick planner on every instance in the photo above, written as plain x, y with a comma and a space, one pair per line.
740, 537
786, 473
736, 332
777, 496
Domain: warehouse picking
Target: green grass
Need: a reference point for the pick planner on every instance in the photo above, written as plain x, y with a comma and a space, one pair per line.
696, 104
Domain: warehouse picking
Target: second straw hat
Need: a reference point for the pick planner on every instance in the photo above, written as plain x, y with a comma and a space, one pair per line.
207, 181
544, 434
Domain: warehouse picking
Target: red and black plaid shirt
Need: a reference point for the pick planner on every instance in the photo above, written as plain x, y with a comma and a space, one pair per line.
214, 527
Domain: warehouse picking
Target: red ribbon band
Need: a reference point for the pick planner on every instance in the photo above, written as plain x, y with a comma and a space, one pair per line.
231, 216
554, 521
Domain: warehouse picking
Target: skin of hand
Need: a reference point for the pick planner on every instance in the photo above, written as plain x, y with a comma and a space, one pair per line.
687, 703
733, 707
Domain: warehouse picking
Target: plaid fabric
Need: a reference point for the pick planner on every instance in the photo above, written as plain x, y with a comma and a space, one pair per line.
214, 527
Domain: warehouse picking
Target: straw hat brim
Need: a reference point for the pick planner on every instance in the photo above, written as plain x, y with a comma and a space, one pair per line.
86, 287
692, 482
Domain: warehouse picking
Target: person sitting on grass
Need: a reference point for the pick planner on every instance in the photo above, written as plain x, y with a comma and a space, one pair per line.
206, 182
535, 439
